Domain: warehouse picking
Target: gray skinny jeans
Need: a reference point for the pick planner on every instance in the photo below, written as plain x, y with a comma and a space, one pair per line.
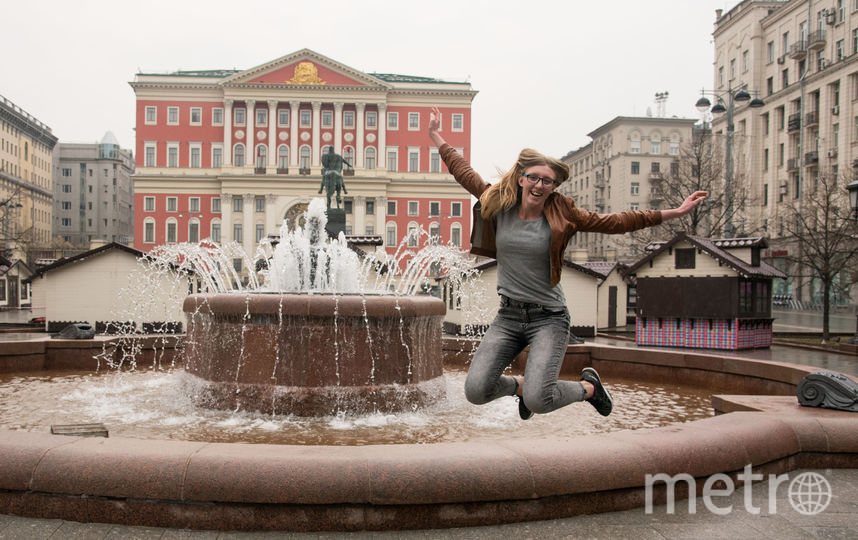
546, 330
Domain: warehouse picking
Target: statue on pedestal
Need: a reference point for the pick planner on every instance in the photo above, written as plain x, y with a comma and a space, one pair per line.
332, 176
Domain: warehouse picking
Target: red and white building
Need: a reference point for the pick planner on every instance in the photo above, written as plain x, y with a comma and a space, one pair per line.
228, 155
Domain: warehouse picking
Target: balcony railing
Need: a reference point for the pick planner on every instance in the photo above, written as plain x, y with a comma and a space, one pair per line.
811, 119
811, 158
816, 40
792, 164
794, 122
656, 176
798, 51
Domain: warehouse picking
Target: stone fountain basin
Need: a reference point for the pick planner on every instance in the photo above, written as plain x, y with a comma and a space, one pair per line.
303, 488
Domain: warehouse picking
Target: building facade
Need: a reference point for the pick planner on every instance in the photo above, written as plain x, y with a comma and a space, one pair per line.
26, 197
622, 168
93, 192
228, 155
801, 58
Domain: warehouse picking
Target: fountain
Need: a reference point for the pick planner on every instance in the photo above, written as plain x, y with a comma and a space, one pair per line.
236, 486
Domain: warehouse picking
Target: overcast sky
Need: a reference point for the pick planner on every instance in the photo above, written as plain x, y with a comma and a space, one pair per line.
547, 72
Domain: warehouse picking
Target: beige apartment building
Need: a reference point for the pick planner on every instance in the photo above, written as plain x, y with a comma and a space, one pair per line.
623, 168
26, 198
801, 58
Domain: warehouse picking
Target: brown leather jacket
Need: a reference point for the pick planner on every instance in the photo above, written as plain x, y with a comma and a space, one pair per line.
564, 218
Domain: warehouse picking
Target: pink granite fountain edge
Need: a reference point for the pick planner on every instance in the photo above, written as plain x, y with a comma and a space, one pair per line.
269, 487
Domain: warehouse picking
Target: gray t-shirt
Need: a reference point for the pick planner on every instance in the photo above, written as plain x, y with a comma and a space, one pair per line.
524, 266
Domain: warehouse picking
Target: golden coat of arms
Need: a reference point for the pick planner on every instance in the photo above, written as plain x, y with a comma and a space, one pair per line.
306, 73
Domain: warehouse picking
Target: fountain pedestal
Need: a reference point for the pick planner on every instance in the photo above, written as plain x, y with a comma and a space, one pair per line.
314, 354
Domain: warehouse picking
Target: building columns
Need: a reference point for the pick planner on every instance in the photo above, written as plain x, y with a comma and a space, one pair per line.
381, 149
272, 133
315, 147
359, 136
250, 117
338, 126
227, 132
294, 110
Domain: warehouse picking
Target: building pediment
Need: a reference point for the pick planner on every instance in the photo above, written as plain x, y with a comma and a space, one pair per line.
304, 68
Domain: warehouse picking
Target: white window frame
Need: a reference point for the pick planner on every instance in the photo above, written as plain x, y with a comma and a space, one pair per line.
194, 221
456, 234
154, 110
215, 205
263, 157
191, 201
458, 122
173, 146
434, 158
305, 113
374, 125
258, 232
280, 113
175, 201
261, 117
327, 118
235, 114
199, 112
413, 121
395, 208
199, 154
281, 155
436, 214
146, 238
154, 146
215, 238
213, 162
149, 204
388, 151
455, 209
305, 156
412, 239
392, 121
243, 155
416, 211
170, 111
348, 119
635, 188
370, 162
175, 226
238, 228
215, 111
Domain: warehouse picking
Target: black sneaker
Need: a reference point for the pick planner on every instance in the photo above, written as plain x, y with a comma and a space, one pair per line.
523, 411
601, 399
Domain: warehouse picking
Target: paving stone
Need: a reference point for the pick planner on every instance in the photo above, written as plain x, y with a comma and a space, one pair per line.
82, 531
31, 529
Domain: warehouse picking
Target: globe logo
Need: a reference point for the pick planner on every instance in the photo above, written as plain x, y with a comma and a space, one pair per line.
809, 493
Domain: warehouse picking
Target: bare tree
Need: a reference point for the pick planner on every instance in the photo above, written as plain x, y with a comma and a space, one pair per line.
825, 236
12, 235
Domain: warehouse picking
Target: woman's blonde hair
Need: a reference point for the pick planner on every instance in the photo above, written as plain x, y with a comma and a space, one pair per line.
506, 193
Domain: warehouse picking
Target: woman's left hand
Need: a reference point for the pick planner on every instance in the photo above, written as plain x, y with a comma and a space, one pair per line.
692, 201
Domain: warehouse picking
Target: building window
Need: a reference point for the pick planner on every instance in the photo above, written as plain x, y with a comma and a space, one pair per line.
217, 116
413, 160
392, 120
655, 146
435, 234
283, 117
347, 206
194, 205
306, 117
216, 205
456, 209
152, 115
196, 116
238, 155
260, 232
369, 161
304, 162
172, 154
237, 233
349, 119
412, 208
196, 157
785, 78
434, 160
391, 234
684, 258
261, 117
635, 146
458, 122
261, 156
412, 235
237, 204
172, 116
238, 117
65, 222
217, 156
636, 167
259, 203
149, 149
172, 204
434, 209
770, 52
391, 208
413, 121
636, 188
456, 235
215, 235
349, 156
371, 120
327, 118
392, 159
283, 157
148, 204
674, 148
194, 231
172, 231
149, 231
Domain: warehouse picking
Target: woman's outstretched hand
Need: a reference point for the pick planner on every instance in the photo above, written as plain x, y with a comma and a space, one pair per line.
690, 203
434, 124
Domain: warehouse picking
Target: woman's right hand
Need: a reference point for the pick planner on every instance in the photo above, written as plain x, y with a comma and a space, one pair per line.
434, 124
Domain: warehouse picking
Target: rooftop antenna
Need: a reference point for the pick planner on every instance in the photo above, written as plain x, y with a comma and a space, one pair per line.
660, 101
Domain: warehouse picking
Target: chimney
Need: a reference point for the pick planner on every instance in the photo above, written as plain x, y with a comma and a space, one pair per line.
718, 13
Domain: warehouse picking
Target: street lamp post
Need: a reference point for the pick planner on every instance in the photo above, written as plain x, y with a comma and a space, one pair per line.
853, 202
731, 95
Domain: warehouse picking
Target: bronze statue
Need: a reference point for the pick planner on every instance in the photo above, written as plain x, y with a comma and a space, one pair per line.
332, 176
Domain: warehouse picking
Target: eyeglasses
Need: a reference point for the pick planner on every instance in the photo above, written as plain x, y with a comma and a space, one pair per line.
533, 179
